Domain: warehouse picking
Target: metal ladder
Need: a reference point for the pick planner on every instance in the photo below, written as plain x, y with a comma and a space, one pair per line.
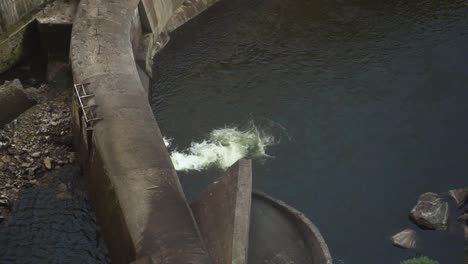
82, 95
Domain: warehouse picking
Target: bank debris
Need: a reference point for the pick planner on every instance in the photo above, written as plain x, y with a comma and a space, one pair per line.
36, 142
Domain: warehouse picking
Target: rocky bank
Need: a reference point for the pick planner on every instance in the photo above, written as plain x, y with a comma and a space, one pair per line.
35, 143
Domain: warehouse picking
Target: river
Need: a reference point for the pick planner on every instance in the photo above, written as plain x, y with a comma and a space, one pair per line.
367, 101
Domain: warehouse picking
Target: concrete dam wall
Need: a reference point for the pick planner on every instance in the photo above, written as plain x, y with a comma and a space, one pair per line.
139, 200
12, 11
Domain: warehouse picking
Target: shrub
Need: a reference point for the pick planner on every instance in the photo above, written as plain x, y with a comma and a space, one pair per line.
420, 260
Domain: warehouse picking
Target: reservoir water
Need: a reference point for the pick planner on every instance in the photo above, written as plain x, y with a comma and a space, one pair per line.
368, 99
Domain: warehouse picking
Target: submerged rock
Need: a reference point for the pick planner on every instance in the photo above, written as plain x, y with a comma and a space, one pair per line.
430, 212
460, 196
405, 239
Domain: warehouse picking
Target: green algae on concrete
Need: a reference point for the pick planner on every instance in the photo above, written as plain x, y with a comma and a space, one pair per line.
16, 44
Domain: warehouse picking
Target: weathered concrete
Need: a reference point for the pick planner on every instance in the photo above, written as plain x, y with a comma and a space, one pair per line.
17, 43
55, 25
188, 10
13, 101
12, 11
223, 214
160, 17
139, 200
20, 23
145, 79
280, 234
17, 31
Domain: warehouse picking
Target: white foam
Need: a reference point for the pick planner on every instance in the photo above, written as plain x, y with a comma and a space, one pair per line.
222, 149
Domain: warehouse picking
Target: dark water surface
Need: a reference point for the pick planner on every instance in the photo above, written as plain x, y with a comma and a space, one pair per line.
373, 96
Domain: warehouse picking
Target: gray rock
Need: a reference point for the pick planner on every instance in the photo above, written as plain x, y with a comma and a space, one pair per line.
31, 171
405, 239
463, 217
48, 163
430, 212
13, 101
6, 159
36, 155
4, 202
460, 196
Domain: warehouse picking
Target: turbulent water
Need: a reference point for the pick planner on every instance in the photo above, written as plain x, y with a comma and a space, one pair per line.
373, 96
222, 148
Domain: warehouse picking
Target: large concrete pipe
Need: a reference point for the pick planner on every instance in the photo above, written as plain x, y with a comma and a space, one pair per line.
139, 200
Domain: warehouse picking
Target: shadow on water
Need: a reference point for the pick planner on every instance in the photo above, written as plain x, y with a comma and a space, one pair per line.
373, 95
53, 223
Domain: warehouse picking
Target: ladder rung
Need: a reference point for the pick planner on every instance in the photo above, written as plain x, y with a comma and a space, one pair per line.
86, 96
94, 119
88, 106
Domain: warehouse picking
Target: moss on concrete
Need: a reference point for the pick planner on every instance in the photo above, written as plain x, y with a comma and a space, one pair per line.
13, 44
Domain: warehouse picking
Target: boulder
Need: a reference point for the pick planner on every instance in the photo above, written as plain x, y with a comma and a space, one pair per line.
465, 227
13, 101
463, 217
430, 212
405, 239
460, 196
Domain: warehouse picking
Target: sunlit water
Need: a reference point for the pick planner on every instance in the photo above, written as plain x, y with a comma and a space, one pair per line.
372, 97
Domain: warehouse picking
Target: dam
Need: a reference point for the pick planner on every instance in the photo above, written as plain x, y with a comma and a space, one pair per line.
141, 209
340, 107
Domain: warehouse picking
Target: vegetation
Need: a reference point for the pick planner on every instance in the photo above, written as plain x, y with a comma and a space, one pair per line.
420, 260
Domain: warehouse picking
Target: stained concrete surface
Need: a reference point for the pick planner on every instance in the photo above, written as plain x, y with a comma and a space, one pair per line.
223, 214
279, 234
